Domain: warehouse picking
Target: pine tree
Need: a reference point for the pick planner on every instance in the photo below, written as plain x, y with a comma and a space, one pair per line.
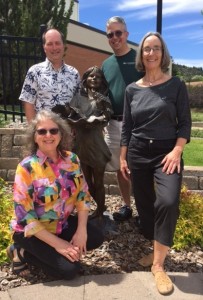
24, 17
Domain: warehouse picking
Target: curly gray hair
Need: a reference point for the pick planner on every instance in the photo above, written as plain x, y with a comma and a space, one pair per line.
43, 115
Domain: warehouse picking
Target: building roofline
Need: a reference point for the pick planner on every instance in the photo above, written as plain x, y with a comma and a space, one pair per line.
93, 29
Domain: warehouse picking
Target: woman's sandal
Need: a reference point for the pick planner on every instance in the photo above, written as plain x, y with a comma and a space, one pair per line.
163, 282
20, 267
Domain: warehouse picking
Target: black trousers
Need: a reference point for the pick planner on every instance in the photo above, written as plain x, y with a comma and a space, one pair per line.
156, 193
40, 254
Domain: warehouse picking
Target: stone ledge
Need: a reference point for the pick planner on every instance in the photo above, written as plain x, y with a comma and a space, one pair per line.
192, 178
8, 163
192, 170
12, 150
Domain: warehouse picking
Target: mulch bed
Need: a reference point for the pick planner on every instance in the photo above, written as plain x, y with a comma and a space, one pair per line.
122, 248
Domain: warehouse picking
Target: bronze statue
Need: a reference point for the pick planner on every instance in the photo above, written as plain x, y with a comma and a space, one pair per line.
88, 113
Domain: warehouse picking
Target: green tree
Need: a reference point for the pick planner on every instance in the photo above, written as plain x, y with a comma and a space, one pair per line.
10, 14
24, 17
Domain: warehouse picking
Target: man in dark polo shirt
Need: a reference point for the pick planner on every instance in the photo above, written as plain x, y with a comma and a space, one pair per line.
119, 70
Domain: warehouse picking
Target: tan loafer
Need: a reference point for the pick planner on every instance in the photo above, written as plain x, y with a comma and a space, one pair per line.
163, 282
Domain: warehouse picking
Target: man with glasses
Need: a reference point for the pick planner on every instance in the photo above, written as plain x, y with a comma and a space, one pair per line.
119, 70
50, 82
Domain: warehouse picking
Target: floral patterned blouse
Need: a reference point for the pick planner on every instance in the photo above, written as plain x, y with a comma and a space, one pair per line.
45, 193
45, 87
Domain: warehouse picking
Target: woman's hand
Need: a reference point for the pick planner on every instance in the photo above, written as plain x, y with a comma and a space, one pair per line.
124, 169
123, 163
79, 240
68, 250
172, 160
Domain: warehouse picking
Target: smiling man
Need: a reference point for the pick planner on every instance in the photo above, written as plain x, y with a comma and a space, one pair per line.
119, 70
50, 82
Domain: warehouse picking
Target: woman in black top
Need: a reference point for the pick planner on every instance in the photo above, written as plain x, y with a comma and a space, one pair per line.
156, 127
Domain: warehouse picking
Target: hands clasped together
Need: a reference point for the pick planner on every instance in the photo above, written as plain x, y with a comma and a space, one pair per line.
74, 249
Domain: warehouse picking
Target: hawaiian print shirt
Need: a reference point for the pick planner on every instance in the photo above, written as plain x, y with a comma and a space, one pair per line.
45, 87
45, 193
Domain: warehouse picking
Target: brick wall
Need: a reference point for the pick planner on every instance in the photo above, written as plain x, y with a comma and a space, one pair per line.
13, 150
83, 58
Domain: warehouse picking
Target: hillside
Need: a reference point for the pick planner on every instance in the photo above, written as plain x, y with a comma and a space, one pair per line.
187, 73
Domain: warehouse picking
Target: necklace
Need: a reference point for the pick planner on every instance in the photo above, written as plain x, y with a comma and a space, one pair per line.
150, 83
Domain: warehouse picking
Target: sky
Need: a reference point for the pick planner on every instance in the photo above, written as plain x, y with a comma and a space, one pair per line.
182, 23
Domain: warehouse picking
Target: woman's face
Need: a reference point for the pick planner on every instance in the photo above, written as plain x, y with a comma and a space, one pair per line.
152, 53
47, 136
94, 81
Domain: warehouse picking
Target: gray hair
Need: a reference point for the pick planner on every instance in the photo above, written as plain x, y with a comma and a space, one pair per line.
43, 115
165, 62
116, 19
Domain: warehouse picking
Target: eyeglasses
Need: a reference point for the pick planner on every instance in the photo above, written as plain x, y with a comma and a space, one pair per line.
43, 131
155, 49
117, 33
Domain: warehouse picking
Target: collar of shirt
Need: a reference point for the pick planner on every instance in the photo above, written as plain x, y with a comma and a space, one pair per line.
50, 65
42, 157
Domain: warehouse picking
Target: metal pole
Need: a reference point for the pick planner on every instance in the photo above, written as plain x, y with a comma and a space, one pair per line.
159, 16
43, 28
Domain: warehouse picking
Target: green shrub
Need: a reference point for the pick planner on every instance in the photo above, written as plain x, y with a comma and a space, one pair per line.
197, 133
197, 114
197, 78
189, 229
6, 211
195, 95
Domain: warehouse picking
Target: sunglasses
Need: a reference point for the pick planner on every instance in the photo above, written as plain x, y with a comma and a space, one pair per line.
117, 33
43, 131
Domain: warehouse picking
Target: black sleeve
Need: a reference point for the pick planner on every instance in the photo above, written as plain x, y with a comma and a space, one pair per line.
183, 113
127, 119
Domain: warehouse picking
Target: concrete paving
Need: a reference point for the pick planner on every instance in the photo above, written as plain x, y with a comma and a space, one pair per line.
136, 285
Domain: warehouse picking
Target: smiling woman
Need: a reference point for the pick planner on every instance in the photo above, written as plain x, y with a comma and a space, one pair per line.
48, 186
156, 126
47, 137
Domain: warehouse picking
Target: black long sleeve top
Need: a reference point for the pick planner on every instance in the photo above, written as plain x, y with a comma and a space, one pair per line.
158, 112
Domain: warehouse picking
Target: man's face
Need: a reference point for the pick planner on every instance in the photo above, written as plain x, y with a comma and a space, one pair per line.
54, 47
118, 36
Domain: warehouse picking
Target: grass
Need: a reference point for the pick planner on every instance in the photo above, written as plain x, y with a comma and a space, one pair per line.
197, 133
192, 154
193, 151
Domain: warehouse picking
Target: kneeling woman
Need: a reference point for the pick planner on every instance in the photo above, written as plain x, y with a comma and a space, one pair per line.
49, 185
